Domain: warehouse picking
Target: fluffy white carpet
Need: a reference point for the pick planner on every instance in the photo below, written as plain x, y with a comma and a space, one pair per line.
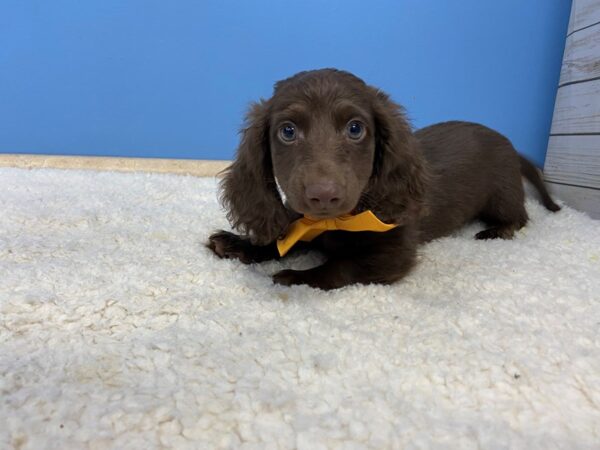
118, 329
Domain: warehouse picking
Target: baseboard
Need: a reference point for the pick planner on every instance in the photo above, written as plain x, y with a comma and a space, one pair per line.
200, 168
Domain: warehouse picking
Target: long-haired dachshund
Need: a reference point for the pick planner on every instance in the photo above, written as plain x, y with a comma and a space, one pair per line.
335, 147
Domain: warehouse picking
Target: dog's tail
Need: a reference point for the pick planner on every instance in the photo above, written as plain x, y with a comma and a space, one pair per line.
529, 171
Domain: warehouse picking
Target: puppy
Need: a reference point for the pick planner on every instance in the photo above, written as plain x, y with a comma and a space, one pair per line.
336, 147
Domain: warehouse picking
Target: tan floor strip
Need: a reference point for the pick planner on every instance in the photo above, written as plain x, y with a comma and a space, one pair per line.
200, 168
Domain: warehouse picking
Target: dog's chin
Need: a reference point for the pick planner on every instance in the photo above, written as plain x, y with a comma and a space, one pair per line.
323, 215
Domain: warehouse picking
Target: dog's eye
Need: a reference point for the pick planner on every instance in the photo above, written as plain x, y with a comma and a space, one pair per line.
287, 132
355, 130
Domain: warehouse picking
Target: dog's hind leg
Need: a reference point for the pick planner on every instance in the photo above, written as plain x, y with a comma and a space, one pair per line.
498, 232
504, 214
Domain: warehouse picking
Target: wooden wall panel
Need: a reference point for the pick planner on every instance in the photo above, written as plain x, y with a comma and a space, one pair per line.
573, 158
581, 60
577, 109
584, 13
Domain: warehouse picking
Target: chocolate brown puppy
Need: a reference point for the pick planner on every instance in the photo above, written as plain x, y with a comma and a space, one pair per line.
333, 146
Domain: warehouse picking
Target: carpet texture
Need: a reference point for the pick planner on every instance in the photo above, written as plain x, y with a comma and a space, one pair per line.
118, 329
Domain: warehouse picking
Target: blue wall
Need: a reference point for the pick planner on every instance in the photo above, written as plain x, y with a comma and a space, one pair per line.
173, 78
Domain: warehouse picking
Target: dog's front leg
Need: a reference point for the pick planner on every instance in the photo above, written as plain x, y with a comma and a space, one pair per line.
229, 245
383, 267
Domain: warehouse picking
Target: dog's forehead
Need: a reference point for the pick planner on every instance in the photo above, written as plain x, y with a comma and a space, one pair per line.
318, 87
320, 77
320, 92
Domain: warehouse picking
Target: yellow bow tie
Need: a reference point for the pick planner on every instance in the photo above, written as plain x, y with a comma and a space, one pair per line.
306, 229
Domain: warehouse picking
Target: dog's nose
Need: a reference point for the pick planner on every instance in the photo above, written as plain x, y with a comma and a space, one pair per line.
323, 194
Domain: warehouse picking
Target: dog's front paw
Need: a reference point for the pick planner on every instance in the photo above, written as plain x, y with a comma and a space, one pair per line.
314, 278
288, 277
228, 245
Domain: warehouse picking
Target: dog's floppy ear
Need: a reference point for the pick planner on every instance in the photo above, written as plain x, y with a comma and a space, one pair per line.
249, 191
400, 175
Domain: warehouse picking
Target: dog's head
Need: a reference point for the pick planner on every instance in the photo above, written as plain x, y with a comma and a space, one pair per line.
334, 145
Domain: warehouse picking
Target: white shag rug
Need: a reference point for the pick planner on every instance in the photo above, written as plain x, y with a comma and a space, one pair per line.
118, 329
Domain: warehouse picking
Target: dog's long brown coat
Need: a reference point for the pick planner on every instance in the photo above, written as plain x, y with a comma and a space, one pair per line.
336, 145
